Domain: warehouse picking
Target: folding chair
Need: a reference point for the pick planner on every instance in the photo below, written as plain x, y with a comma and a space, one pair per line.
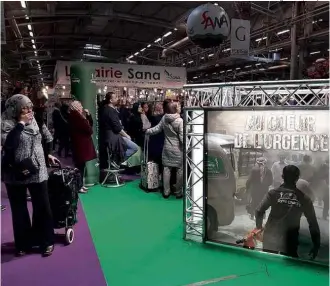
113, 174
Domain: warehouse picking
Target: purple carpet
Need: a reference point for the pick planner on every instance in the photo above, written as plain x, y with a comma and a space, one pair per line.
76, 264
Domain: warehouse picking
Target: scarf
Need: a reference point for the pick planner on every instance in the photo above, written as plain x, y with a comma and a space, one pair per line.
13, 108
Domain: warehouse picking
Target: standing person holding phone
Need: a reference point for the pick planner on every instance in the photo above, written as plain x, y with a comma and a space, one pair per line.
81, 131
24, 168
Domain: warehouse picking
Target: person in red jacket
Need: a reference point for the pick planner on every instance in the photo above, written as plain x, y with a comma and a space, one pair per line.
80, 128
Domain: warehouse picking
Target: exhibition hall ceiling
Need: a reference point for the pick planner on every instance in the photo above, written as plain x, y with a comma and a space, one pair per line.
39, 33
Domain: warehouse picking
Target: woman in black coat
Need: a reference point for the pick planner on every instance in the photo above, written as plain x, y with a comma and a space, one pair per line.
156, 142
136, 126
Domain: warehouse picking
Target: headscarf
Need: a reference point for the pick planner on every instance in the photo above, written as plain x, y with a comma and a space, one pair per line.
13, 109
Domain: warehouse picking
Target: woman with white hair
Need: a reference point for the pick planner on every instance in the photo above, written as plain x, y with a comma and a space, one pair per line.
81, 131
24, 168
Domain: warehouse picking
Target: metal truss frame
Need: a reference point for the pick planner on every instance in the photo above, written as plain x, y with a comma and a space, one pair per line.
307, 93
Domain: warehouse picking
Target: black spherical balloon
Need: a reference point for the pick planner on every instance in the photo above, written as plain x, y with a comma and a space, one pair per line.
208, 25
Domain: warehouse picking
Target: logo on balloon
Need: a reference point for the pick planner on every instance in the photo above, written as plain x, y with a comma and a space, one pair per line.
216, 22
208, 25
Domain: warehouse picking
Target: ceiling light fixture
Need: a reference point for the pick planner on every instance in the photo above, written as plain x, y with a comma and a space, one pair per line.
238, 69
195, 77
247, 67
226, 50
30, 27
211, 55
158, 40
32, 41
319, 20
275, 50
314, 53
284, 59
283, 32
221, 71
92, 56
190, 62
202, 58
136, 53
27, 17
262, 69
23, 4
216, 4
92, 47
31, 34
229, 70
130, 57
167, 34
260, 39
35, 52
175, 29
277, 67
143, 50
149, 46
34, 46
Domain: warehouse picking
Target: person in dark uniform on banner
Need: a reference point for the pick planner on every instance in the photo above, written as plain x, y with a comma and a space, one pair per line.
287, 203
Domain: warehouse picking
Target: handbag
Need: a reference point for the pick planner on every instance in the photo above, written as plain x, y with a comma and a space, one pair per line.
26, 168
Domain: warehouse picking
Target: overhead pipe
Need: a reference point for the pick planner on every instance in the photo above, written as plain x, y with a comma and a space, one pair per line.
175, 46
280, 44
17, 32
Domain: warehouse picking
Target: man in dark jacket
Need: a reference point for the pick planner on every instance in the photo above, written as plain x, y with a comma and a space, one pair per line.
287, 203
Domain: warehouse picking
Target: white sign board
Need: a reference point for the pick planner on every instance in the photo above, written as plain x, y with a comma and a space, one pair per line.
240, 37
121, 75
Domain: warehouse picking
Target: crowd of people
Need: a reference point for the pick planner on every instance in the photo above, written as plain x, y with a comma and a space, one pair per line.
121, 131
27, 147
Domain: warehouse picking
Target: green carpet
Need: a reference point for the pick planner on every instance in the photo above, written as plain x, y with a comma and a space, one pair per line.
138, 238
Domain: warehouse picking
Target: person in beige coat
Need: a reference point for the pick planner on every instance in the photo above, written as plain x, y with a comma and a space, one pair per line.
172, 155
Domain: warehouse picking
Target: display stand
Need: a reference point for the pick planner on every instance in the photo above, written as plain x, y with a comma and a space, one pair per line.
277, 95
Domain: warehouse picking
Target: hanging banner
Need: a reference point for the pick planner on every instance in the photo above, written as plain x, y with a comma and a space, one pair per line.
120, 75
240, 37
84, 89
246, 152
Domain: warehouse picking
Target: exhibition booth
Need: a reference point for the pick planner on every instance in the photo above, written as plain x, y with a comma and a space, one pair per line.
88, 82
229, 128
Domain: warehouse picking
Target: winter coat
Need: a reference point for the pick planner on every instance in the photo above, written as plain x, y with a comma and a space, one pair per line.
81, 131
172, 125
156, 142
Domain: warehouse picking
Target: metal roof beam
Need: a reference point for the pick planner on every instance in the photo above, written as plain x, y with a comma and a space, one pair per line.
77, 36
85, 14
44, 22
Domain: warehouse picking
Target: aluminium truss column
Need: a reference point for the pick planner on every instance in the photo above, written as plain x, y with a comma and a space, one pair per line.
307, 8
294, 46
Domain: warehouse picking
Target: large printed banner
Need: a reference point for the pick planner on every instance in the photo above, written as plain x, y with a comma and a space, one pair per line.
121, 75
247, 203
